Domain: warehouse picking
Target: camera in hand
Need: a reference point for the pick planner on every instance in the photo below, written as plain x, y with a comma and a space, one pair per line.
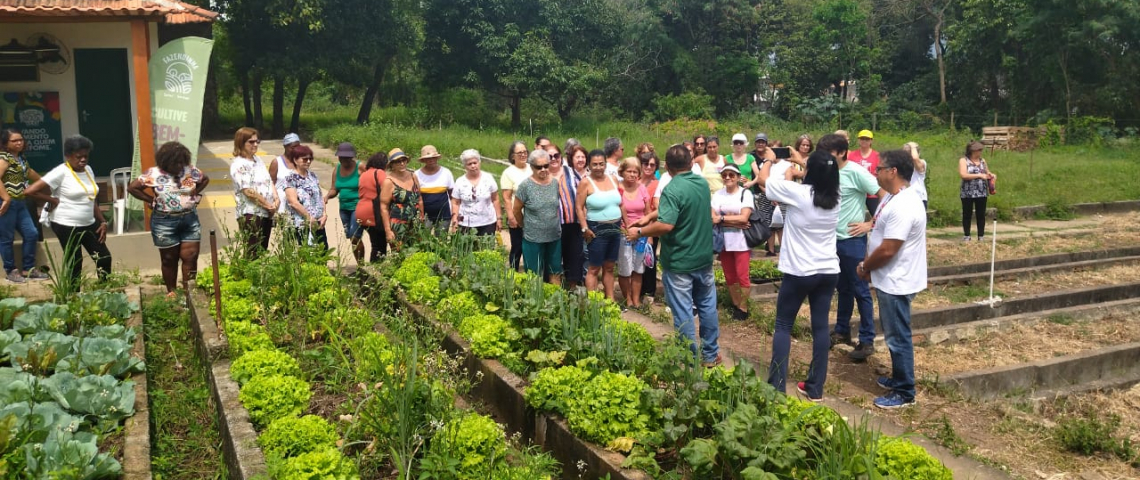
782, 152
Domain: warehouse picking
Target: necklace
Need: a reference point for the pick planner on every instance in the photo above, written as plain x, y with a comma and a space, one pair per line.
90, 195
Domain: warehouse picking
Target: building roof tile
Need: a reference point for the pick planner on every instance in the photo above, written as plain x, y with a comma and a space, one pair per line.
171, 11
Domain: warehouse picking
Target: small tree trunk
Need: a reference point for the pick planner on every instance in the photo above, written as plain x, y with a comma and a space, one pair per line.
516, 112
370, 94
938, 52
245, 98
295, 122
258, 119
278, 106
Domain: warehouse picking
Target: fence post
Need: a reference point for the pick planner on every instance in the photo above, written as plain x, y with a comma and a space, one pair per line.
874, 121
951, 121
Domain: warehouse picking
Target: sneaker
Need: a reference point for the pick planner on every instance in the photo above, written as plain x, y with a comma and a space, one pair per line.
893, 400
715, 363
802, 388
862, 351
15, 277
981, 239
37, 274
840, 338
966, 239
739, 315
885, 383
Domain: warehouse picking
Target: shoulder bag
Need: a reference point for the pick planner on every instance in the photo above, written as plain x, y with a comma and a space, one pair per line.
758, 230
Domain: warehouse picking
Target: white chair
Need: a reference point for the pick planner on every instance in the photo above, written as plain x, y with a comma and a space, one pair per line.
120, 178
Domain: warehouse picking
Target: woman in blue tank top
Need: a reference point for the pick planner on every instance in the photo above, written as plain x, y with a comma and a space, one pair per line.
600, 213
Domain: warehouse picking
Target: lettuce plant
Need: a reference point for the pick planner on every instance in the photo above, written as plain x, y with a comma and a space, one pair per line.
490, 335
325, 464
247, 336
551, 388
424, 290
475, 440
273, 397
455, 308
900, 458
292, 436
608, 407
263, 363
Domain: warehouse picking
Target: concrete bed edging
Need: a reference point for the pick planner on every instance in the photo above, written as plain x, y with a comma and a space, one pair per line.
136, 445
1104, 365
959, 314
969, 330
1034, 261
244, 459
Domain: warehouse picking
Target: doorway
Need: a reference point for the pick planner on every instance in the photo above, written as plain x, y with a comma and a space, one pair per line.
103, 95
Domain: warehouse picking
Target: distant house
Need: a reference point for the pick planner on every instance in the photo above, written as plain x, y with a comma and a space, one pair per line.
80, 66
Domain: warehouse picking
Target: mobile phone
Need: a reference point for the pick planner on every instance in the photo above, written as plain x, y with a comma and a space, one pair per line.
782, 152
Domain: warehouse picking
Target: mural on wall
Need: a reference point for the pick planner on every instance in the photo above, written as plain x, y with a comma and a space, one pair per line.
36, 114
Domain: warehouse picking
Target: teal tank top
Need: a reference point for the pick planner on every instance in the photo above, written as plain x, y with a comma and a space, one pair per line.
348, 188
603, 206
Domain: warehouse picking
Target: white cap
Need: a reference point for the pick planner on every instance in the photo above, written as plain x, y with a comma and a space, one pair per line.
740, 137
291, 138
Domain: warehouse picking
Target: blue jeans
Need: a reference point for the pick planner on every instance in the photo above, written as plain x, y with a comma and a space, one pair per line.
853, 290
352, 229
818, 290
894, 313
18, 218
682, 291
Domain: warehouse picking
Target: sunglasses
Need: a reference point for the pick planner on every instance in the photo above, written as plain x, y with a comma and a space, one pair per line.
540, 167
738, 142
307, 159
253, 142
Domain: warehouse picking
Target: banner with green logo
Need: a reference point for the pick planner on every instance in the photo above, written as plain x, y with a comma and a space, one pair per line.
178, 84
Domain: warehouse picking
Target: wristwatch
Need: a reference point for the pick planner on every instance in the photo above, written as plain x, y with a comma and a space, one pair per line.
638, 232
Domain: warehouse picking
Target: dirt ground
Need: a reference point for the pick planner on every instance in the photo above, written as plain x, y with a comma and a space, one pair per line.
943, 295
1115, 231
1043, 340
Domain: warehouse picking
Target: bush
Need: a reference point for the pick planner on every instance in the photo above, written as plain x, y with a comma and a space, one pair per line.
247, 336
273, 397
262, 363
900, 458
324, 464
1087, 130
292, 436
686, 105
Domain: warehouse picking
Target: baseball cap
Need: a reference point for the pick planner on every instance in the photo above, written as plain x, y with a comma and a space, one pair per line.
291, 138
866, 134
730, 168
740, 138
760, 136
345, 150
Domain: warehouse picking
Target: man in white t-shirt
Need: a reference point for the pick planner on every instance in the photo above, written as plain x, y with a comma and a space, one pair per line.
896, 266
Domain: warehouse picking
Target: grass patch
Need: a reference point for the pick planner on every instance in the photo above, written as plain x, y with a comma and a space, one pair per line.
186, 443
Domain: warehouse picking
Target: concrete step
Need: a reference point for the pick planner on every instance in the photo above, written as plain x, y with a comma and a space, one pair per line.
1109, 367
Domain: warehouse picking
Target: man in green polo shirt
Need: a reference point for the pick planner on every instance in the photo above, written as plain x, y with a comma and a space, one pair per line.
684, 223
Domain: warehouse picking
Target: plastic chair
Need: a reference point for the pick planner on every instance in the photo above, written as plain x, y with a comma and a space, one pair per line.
119, 196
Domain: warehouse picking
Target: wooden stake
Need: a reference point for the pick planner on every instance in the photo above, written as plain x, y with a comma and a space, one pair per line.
217, 281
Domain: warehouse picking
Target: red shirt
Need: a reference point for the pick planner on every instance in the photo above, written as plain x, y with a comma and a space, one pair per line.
870, 162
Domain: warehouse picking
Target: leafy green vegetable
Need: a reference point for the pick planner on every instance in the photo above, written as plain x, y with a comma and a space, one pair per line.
425, 290
46, 316
238, 309
263, 363
324, 464
247, 336
410, 271
455, 308
9, 309
37, 420
69, 455
608, 407
117, 332
374, 356
273, 397
101, 395
900, 458
101, 356
7, 337
552, 387
490, 335
100, 303
38, 353
476, 440
15, 386
291, 436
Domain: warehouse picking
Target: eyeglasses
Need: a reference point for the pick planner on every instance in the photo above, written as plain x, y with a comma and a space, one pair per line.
883, 169
253, 142
307, 159
540, 167
650, 165
522, 152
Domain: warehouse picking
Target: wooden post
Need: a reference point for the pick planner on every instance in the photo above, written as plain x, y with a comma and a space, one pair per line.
217, 281
951, 121
995, 118
874, 121
140, 63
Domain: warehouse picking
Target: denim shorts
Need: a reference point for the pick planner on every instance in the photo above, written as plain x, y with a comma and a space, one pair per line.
352, 228
603, 248
171, 230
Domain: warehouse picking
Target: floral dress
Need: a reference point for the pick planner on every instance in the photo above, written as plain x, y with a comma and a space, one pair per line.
403, 209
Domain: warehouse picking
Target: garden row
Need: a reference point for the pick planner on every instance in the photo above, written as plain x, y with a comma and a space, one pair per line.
618, 387
66, 387
333, 393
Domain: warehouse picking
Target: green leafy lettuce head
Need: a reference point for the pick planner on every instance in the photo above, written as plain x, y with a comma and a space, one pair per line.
263, 363
325, 464
292, 436
273, 397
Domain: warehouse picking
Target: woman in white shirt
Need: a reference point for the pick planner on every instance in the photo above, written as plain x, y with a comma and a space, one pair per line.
731, 207
810, 266
474, 198
512, 177
255, 194
918, 178
75, 216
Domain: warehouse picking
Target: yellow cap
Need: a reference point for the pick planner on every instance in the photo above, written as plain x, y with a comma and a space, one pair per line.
866, 134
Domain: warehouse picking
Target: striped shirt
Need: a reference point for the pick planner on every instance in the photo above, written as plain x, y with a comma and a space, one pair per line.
568, 195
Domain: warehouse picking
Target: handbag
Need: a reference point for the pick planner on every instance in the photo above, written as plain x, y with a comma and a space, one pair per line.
375, 202
758, 231
718, 239
993, 186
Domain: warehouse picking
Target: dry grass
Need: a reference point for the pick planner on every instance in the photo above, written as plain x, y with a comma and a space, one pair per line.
1108, 231
943, 295
1043, 340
